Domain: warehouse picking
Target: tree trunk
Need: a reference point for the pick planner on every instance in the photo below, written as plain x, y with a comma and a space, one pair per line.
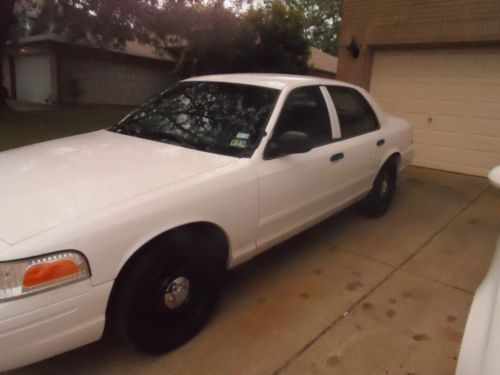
6, 20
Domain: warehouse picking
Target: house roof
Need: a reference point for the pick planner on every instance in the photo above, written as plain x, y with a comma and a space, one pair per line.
132, 48
323, 61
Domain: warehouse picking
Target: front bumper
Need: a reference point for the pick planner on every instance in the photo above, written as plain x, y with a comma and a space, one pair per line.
46, 324
479, 350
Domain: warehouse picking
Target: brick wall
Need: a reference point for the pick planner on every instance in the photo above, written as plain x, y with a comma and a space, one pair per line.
409, 24
106, 78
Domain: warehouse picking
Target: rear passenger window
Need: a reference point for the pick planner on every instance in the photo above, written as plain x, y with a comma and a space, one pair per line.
305, 111
355, 114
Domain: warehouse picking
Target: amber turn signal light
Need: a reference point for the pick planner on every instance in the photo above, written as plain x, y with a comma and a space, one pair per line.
24, 277
40, 274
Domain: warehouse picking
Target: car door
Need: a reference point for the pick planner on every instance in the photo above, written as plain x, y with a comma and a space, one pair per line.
299, 189
361, 141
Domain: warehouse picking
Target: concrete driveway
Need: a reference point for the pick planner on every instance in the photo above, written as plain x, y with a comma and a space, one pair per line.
350, 296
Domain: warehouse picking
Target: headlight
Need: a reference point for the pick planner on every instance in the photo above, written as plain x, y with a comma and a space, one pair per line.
28, 276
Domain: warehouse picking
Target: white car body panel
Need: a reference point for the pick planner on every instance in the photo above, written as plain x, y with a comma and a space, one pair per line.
107, 194
67, 178
481, 340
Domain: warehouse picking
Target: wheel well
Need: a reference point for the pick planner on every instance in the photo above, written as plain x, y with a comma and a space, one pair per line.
211, 236
394, 159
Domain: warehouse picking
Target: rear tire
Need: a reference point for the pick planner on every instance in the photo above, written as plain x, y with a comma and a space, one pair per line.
378, 201
164, 297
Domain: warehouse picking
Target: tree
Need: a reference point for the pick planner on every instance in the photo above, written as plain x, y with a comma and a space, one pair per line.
102, 22
269, 39
6, 21
322, 23
206, 36
281, 44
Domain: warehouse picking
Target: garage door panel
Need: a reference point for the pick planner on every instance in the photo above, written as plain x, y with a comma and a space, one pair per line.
484, 144
451, 167
484, 127
484, 90
485, 111
390, 65
460, 141
441, 154
452, 91
386, 89
448, 123
417, 90
418, 120
406, 105
488, 66
457, 62
424, 64
452, 100
453, 159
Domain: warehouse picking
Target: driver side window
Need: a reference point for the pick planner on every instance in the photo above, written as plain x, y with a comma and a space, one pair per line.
305, 111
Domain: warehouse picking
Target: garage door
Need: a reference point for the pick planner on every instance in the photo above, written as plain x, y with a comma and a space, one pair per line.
452, 100
33, 78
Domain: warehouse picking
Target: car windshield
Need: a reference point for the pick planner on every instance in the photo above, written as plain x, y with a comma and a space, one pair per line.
217, 117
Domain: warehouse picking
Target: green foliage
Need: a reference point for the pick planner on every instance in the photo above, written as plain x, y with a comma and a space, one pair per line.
104, 22
322, 22
280, 44
207, 37
269, 39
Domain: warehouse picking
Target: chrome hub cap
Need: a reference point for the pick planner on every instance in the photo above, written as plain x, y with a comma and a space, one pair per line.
176, 293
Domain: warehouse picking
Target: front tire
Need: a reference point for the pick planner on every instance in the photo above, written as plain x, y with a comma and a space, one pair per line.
378, 201
164, 298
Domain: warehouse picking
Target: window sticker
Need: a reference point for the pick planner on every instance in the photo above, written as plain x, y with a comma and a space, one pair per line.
241, 135
240, 143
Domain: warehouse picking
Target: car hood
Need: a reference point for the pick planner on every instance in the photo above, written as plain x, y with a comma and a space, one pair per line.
47, 184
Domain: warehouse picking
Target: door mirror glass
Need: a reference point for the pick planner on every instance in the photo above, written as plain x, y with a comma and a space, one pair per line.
290, 142
304, 123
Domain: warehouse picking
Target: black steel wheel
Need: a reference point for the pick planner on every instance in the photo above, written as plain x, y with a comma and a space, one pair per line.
378, 201
164, 298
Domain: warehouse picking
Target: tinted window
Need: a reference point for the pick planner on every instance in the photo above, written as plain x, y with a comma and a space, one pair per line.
305, 111
355, 114
209, 116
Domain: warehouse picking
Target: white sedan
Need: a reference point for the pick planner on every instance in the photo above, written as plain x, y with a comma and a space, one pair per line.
479, 351
134, 226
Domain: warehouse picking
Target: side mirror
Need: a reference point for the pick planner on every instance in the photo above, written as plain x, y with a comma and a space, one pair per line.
494, 176
290, 142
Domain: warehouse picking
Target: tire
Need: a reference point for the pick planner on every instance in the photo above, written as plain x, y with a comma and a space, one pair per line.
380, 197
164, 297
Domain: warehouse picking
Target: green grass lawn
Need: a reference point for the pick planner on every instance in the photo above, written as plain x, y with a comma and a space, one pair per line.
20, 128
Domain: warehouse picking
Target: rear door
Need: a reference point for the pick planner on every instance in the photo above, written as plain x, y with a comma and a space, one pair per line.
361, 142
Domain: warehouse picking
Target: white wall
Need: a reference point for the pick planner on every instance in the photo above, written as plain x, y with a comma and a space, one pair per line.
33, 78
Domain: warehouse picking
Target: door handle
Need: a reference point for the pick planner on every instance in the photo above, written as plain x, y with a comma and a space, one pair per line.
336, 157
380, 142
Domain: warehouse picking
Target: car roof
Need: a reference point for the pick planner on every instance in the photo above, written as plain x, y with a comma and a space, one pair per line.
275, 81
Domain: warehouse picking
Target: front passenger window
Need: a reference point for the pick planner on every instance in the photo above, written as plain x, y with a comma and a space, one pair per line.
305, 111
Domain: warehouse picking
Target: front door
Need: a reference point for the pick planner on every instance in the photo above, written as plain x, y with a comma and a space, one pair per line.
296, 190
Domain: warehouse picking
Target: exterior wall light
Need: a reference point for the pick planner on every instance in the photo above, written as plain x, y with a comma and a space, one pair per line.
353, 49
